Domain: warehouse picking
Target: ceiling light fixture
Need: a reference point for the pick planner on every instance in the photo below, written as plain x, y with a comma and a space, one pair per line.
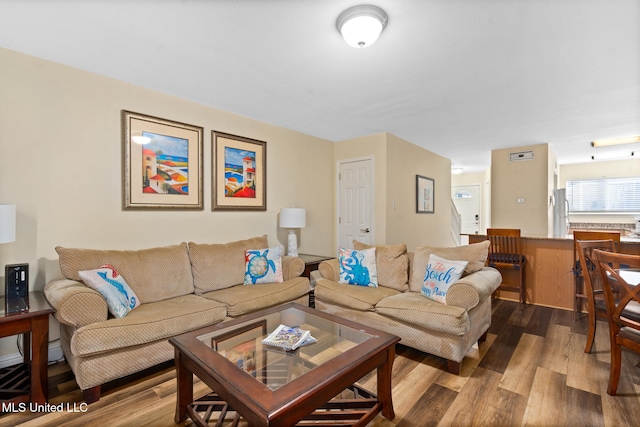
361, 25
617, 141
612, 156
456, 171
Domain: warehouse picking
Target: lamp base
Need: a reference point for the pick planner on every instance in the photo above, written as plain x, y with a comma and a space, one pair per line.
292, 246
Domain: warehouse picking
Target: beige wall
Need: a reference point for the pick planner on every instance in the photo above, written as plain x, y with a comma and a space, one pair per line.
60, 163
405, 160
604, 169
396, 164
526, 179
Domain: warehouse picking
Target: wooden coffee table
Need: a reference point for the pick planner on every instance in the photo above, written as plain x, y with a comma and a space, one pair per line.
266, 386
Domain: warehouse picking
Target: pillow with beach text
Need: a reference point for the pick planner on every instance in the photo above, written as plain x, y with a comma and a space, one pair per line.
439, 276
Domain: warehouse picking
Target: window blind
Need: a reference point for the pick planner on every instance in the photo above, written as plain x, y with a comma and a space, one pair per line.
604, 195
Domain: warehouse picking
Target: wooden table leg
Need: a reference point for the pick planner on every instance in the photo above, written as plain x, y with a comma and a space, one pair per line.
384, 385
184, 388
39, 358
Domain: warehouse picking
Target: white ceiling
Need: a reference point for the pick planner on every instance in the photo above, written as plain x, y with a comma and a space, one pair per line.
458, 77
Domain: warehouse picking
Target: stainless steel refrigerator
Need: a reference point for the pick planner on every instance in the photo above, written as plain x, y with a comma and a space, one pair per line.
560, 213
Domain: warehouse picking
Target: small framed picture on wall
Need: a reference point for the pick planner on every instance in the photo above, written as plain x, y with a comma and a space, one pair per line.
239, 173
425, 202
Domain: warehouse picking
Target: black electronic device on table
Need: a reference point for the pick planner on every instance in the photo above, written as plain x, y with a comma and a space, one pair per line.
16, 287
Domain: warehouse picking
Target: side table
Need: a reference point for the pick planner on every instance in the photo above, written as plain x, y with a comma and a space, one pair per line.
27, 382
311, 263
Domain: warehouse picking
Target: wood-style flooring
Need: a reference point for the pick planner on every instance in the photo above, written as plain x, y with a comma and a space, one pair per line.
531, 371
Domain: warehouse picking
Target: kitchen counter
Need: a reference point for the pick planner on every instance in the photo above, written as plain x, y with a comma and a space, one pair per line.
549, 269
626, 239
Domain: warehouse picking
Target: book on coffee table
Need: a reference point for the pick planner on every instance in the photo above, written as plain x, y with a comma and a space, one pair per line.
288, 338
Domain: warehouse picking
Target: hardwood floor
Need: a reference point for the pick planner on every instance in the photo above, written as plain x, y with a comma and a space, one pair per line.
531, 371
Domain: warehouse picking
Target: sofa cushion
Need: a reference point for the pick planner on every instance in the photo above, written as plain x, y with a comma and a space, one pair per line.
358, 267
475, 254
392, 265
356, 297
219, 266
146, 324
154, 274
414, 309
241, 299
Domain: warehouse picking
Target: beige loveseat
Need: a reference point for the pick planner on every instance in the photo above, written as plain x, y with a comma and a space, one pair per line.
181, 288
397, 306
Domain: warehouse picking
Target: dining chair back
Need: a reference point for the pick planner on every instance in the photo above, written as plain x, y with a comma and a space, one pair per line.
579, 291
620, 273
505, 251
596, 306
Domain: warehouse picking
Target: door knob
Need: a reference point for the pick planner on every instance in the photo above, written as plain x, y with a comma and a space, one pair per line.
364, 230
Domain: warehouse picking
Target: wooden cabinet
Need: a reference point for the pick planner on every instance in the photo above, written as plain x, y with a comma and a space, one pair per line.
27, 382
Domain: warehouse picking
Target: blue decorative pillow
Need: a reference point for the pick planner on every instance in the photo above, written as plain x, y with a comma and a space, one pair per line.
263, 266
440, 275
120, 297
358, 267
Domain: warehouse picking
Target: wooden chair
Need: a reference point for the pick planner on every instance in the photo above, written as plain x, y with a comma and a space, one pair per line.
578, 281
596, 306
505, 251
623, 312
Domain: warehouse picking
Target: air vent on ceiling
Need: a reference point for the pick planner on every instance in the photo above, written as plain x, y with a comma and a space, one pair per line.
521, 155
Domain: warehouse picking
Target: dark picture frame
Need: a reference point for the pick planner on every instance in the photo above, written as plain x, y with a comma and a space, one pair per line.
425, 194
239, 173
166, 172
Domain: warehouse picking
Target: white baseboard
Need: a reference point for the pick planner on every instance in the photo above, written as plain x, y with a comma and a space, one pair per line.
55, 354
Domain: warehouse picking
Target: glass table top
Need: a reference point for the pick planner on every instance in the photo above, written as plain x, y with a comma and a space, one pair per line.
241, 345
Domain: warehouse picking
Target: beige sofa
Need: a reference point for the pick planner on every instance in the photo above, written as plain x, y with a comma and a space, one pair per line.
181, 288
397, 306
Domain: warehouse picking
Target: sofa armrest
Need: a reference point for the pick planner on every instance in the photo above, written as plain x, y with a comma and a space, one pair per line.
76, 304
292, 267
470, 290
330, 270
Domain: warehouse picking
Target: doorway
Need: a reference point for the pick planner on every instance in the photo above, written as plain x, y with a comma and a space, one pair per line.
467, 201
355, 202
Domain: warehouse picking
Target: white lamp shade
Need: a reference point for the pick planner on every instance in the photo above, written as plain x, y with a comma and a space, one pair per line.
7, 223
293, 217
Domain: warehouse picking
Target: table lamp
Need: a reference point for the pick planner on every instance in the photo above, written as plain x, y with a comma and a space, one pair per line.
292, 218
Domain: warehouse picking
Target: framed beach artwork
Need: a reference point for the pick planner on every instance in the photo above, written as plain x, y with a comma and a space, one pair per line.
239, 173
162, 163
425, 202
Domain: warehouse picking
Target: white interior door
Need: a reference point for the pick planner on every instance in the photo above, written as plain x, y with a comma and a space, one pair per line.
355, 205
467, 201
